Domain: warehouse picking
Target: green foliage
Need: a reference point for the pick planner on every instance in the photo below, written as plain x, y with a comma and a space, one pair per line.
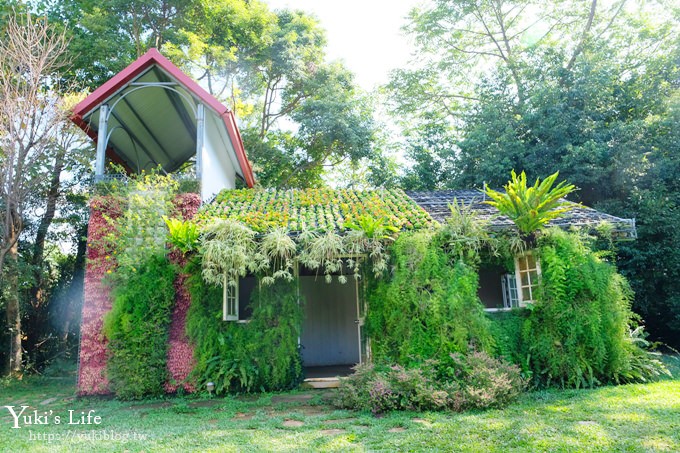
372, 227
229, 251
577, 334
430, 146
556, 88
261, 355
182, 234
531, 207
281, 251
428, 308
140, 231
137, 330
466, 235
506, 330
460, 382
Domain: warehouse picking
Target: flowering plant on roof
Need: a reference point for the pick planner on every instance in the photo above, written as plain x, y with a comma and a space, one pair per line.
317, 209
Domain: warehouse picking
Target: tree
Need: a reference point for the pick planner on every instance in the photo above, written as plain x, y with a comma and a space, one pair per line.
31, 121
583, 88
430, 146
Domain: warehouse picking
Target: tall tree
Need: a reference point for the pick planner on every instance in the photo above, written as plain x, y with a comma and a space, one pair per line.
579, 87
31, 120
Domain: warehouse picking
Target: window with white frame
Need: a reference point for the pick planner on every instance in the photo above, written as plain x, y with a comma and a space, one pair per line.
229, 301
527, 272
236, 304
509, 287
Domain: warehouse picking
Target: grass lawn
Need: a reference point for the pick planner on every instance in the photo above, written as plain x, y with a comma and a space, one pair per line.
625, 418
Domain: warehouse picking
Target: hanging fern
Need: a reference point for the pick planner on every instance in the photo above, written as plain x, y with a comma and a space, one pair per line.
229, 251
323, 251
280, 251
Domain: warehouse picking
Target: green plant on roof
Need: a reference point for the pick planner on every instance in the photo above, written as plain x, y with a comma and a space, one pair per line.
183, 235
373, 227
531, 207
229, 251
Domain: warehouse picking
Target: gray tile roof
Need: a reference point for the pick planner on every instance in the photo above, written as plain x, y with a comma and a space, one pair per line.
436, 203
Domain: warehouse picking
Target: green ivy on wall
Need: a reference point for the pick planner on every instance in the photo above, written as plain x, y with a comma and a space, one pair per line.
429, 306
577, 334
261, 355
137, 329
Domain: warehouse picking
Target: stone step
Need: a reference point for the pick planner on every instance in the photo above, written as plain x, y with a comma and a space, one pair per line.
321, 383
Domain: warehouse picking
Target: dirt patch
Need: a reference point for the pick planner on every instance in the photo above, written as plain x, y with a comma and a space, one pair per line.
248, 397
396, 429
48, 401
300, 398
242, 416
421, 421
332, 432
292, 423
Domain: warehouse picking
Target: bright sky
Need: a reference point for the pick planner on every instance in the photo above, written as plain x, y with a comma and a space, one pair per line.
365, 34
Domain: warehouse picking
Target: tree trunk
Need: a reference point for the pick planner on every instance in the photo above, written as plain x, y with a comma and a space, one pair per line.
13, 312
37, 320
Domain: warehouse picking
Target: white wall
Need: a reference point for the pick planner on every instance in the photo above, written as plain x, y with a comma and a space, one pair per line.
218, 167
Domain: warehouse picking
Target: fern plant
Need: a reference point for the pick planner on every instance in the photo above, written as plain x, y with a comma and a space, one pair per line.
183, 235
531, 207
229, 251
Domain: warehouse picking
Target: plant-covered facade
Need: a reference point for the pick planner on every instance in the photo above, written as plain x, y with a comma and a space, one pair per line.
258, 289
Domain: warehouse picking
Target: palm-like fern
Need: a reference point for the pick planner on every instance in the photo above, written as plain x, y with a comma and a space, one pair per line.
531, 207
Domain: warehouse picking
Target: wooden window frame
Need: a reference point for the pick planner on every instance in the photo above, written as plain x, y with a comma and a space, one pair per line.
532, 286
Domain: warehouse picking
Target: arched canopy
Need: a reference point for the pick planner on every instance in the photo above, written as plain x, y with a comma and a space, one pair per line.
154, 116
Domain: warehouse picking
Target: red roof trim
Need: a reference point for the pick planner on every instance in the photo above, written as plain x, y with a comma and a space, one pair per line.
151, 57
235, 136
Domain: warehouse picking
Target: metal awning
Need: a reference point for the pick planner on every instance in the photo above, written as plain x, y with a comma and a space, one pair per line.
151, 123
152, 117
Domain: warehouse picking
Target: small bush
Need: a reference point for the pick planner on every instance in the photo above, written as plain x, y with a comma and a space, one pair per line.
473, 381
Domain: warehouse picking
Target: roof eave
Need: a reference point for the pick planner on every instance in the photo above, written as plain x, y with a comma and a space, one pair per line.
151, 57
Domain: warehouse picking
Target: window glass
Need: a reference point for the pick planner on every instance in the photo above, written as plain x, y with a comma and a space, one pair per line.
527, 272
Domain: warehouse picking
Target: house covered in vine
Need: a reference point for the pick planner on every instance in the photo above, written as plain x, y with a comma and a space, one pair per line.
258, 289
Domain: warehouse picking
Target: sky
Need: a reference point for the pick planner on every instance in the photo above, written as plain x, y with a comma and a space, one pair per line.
365, 34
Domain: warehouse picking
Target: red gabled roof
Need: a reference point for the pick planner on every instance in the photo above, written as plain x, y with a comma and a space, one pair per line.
150, 58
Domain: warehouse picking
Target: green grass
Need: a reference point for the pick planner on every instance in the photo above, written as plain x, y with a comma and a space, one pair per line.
625, 418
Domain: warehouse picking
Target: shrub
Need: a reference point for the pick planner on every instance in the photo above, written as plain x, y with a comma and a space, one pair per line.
472, 381
485, 382
577, 334
137, 329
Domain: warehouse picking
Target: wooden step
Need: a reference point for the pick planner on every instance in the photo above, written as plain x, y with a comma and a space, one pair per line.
321, 383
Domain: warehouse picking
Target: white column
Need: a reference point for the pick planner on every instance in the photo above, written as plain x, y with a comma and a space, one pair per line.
101, 140
200, 133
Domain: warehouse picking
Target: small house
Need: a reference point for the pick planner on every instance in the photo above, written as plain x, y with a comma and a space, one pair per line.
152, 116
